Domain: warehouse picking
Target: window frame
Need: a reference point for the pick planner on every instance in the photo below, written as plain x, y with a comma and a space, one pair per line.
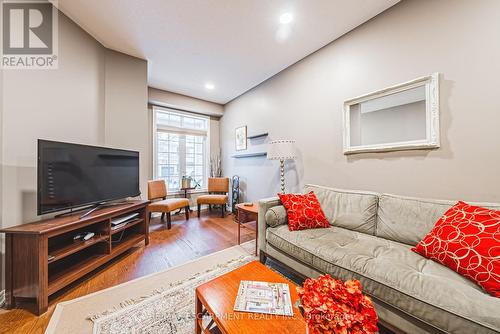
182, 131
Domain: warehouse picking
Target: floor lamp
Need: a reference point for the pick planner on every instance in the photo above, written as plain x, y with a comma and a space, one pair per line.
281, 150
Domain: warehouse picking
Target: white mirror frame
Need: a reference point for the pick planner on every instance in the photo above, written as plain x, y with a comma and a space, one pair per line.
432, 140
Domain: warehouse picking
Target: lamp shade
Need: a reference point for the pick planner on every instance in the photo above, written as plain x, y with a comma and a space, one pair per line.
281, 150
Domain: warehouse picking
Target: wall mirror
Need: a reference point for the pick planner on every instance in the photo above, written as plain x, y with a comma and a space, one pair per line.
401, 117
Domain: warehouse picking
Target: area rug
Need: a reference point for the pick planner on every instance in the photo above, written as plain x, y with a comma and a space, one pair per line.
159, 303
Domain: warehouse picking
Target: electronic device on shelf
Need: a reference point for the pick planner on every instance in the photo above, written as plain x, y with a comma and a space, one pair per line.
83, 236
123, 219
88, 236
115, 227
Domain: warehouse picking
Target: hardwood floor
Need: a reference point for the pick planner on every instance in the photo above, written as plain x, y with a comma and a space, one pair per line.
184, 242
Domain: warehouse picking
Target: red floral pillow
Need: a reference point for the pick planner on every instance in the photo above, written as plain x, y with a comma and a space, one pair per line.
467, 239
303, 211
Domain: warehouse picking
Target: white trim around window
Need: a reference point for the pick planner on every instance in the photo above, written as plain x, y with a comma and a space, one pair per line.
185, 147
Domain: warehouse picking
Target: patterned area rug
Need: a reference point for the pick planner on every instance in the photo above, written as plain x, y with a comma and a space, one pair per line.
166, 311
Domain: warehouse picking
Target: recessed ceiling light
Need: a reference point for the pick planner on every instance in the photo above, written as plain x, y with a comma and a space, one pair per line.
209, 86
286, 18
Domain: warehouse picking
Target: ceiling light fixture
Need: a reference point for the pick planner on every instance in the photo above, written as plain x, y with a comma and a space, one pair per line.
286, 18
209, 86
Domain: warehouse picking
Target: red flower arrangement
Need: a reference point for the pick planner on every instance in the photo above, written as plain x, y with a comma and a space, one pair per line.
331, 306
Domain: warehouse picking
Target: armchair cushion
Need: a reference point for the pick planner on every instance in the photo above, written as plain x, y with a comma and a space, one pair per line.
168, 204
212, 199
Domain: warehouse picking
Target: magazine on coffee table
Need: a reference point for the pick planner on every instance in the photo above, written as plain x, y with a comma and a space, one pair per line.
264, 297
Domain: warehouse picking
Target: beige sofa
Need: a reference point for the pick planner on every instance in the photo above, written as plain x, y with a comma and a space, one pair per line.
370, 240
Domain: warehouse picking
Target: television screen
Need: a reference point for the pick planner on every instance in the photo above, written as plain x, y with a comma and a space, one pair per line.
73, 175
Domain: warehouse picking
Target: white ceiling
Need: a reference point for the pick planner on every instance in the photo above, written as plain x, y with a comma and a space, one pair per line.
234, 44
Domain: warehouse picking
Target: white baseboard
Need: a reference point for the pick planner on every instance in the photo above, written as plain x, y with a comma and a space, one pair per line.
2, 298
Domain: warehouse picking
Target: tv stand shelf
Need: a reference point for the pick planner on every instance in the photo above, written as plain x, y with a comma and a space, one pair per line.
31, 278
129, 225
70, 249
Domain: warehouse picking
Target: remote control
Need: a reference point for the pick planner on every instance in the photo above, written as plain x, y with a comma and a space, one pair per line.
78, 236
88, 236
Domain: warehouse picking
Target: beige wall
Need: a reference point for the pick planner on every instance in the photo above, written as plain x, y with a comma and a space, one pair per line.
127, 123
82, 101
177, 101
458, 38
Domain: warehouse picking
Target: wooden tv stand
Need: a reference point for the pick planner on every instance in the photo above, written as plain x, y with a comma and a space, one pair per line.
31, 277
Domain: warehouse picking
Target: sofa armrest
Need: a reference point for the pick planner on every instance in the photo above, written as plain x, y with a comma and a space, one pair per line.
264, 205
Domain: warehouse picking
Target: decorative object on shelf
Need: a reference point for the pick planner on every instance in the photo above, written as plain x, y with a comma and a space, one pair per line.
241, 138
235, 194
215, 165
332, 306
187, 182
400, 117
282, 150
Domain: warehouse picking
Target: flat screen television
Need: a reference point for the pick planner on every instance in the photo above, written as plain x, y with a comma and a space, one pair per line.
74, 175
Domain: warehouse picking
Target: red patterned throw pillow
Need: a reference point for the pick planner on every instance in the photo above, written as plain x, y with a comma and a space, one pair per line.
467, 239
303, 211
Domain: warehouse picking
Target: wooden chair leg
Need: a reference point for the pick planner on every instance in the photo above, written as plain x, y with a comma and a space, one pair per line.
187, 212
210, 208
162, 216
150, 215
199, 210
169, 221
223, 209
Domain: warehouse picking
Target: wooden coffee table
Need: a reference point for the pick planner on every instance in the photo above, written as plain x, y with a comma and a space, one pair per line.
217, 297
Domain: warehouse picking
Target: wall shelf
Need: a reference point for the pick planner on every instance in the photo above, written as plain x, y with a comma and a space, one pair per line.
258, 135
249, 155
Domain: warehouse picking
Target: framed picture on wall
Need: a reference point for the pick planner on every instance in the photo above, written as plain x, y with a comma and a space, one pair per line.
241, 138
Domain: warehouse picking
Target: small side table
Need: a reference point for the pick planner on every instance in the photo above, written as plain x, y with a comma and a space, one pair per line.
248, 214
185, 196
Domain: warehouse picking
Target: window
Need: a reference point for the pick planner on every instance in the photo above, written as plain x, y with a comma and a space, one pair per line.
181, 148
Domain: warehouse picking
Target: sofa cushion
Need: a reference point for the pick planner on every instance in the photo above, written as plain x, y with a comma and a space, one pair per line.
276, 216
409, 219
391, 272
466, 239
354, 210
303, 211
